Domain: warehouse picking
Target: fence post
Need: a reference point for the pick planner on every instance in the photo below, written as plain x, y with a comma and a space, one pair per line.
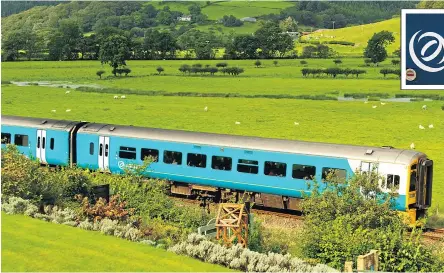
348, 267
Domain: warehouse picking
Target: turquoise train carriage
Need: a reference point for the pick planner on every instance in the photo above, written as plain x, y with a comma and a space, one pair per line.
274, 172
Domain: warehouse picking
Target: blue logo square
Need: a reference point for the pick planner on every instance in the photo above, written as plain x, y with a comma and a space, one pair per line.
422, 49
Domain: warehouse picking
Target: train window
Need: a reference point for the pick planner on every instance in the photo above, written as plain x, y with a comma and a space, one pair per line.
91, 148
44, 143
248, 166
6, 138
38, 142
51, 143
221, 163
303, 172
21, 140
275, 168
338, 173
197, 160
127, 152
413, 180
393, 181
149, 153
170, 157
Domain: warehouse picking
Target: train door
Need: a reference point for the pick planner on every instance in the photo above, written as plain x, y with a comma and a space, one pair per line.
103, 153
41, 146
368, 167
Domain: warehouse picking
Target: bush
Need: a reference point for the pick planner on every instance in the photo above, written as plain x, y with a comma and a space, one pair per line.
160, 69
239, 258
257, 63
395, 62
386, 71
442, 107
221, 65
275, 62
100, 73
368, 62
17, 205
349, 218
337, 61
115, 209
303, 62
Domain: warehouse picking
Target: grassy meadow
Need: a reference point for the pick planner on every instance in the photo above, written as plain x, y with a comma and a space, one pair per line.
349, 122
34, 245
357, 34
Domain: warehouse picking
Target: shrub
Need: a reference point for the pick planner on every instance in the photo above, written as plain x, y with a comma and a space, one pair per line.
368, 62
184, 68
349, 218
17, 205
386, 71
275, 62
197, 65
303, 62
125, 70
115, 209
221, 65
239, 258
442, 107
257, 63
337, 61
160, 69
395, 62
100, 73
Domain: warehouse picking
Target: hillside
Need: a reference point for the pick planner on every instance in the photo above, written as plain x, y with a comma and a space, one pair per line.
358, 35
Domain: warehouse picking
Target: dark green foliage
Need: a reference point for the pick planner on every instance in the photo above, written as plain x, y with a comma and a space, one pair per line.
100, 73
257, 63
221, 65
115, 51
231, 21
442, 107
334, 71
395, 62
303, 62
367, 62
375, 49
337, 61
366, 95
318, 51
160, 69
271, 40
349, 218
275, 62
386, 71
425, 96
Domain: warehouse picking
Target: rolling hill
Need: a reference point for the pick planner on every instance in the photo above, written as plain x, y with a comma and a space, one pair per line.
358, 35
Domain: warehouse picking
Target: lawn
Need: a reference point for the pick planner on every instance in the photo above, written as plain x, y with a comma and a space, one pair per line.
394, 124
34, 245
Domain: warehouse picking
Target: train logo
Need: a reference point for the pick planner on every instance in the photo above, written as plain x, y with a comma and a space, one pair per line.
422, 49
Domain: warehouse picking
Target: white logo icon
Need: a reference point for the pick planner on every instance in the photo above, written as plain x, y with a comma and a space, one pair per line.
121, 164
438, 39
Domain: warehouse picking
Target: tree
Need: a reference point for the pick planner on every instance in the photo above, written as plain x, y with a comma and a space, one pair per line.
257, 63
65, 43
395, 62
100, 73
12, 44
244, 46
337, 61
375, 49
289, 24
114, 51
271, 39
160, 69
275, 62
231, 21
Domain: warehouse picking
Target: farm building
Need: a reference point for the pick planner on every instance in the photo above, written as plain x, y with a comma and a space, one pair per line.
248, 19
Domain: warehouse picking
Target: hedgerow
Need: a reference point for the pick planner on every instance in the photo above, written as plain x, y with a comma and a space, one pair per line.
334, 71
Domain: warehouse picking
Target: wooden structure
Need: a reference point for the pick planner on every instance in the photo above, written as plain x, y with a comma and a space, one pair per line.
369, 261
232, 224
348, 267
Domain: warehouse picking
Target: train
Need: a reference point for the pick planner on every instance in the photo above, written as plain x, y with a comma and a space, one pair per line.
275, 173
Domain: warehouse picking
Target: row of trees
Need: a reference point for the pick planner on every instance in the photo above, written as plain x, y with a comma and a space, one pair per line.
68, 43
197, 68
334, 71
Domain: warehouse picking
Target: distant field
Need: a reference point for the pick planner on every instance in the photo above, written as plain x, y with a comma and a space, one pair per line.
359, 35
286, 78
242, 9
394, 124
34, 245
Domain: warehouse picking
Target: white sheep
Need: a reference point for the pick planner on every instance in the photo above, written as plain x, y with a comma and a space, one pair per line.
116, 97
424, 107
123, 97
366, 101
53, 111
296, 123
431, 126
382, 103
421, 127
374, 106
68, 110
412, 146
237, 123
67, 92
206, 108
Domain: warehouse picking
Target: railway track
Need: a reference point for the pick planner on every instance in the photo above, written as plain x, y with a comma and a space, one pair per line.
434, 234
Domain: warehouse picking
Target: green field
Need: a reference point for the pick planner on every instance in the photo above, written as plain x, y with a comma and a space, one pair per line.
34, 245
394, 124
358, 35
286, 78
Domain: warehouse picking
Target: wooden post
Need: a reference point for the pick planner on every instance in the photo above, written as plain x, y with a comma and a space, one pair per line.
348, 267
369, 261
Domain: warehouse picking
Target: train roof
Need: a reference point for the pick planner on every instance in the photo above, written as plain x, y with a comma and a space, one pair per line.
39, 123
388, 154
